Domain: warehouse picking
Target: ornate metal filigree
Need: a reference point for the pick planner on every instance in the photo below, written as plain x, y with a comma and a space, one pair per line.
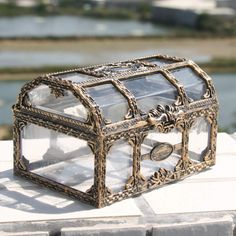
163, 118
115, 69
57, 92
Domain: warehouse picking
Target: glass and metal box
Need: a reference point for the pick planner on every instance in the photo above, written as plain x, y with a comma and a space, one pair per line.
105, 133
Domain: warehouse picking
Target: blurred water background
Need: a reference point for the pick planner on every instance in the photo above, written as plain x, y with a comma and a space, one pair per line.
76, 26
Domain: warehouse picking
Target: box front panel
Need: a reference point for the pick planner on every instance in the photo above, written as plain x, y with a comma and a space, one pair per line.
170, 155
160, 150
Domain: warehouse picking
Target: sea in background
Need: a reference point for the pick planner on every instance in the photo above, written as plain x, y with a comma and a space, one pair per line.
76, 26
225, 84
29, 59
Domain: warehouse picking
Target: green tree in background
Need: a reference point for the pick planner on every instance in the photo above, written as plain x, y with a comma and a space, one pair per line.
41, 8
217, 25
12, 2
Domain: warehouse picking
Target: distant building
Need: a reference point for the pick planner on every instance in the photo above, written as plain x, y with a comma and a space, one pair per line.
98, 2
33, 3
26, 3
186, 12
226, 3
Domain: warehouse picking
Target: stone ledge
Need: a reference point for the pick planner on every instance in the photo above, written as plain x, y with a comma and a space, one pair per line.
205, 227
105, 230
25, 234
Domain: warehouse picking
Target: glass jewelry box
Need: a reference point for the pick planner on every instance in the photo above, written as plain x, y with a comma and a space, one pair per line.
105, 133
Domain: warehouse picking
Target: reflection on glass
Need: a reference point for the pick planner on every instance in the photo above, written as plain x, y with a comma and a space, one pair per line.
112, 103
59, 157
119, 165
159, 61
76, 77
151, 90
42, 98
160, 150
199, 138
194, 86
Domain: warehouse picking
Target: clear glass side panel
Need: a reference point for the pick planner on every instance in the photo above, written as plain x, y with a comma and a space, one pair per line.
194, 86
119, 165
59, 157
160, 150
76, 77
112, 103
199, 139
158, 61
66, 105
151, 90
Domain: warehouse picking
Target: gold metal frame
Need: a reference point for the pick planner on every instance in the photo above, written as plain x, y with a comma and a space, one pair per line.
101, 134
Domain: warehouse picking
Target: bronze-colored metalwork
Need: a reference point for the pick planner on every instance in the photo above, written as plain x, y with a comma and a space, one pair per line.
162, 137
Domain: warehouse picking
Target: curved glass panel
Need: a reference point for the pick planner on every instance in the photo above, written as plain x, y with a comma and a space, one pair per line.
112, 103
194, 86
76, 77
59, 157
160, 150
151, 90
158, 61
66, 105
119, 164
199, 139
